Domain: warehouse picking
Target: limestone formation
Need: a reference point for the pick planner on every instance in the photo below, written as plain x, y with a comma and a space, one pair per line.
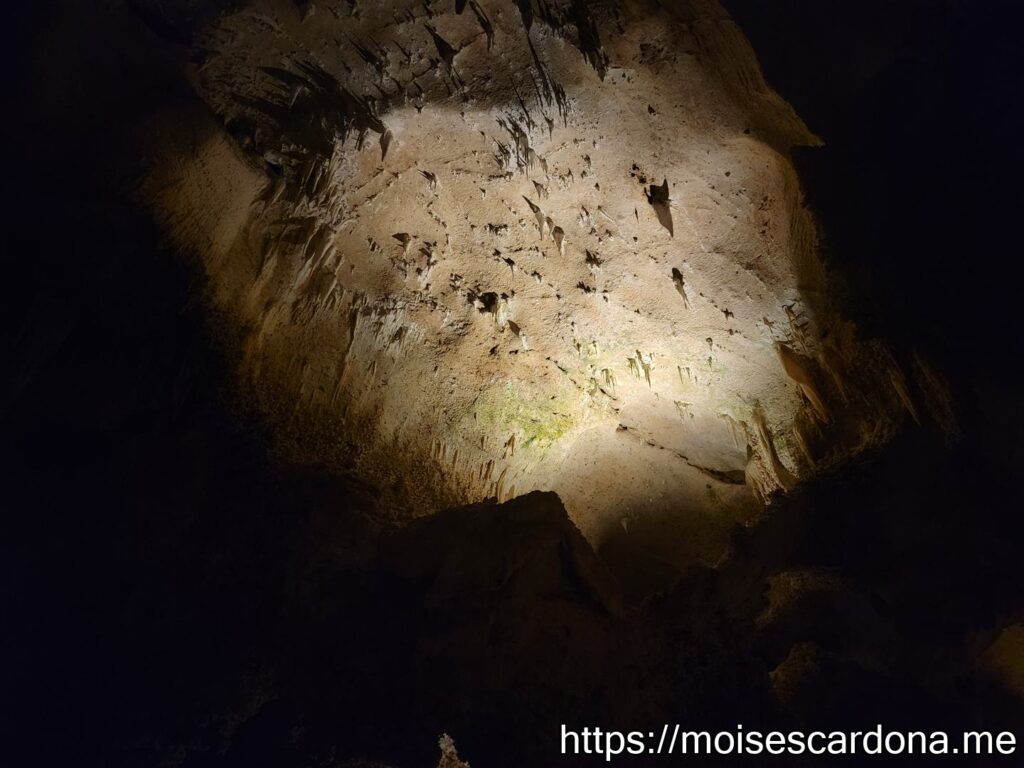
458, 276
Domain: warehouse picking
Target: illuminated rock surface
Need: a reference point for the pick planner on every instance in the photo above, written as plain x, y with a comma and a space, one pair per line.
470, 252
246, 475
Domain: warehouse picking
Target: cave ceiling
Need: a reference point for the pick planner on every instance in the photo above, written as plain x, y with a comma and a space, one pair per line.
471, 250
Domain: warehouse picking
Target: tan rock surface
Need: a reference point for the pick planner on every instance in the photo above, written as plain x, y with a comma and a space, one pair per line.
481, 253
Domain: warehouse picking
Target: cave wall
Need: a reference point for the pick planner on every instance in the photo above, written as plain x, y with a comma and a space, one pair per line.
157, 558
455, 277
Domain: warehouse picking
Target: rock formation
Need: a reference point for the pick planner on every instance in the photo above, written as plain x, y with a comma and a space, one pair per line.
474, 250
391, 382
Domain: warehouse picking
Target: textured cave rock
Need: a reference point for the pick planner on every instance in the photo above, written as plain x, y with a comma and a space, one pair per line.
472, 250
203, 604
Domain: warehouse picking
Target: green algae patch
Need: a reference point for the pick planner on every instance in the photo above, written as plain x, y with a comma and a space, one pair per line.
537, 423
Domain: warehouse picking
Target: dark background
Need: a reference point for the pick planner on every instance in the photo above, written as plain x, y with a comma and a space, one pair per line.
152, 550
